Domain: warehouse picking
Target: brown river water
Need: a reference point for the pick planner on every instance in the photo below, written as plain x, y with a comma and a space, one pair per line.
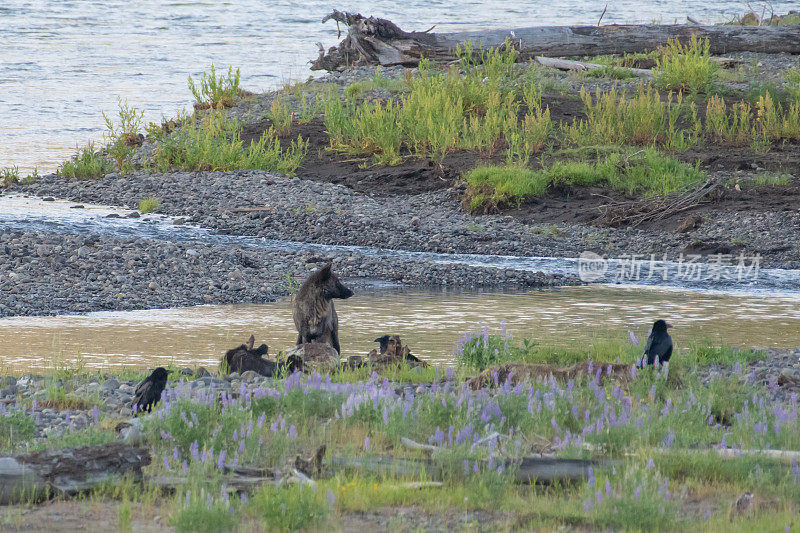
429, 321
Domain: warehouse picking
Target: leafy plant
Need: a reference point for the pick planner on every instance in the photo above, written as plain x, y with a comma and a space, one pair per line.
216, 92
149, 204
9, 176
85, 164
686, 67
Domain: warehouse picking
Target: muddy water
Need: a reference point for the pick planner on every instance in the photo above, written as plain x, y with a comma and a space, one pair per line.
430, 322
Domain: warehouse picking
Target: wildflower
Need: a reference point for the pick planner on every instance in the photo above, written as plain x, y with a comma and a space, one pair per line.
637, 493
608, 488
366, 443
95, 412
221, 459
185, 467
331, 497
166, 462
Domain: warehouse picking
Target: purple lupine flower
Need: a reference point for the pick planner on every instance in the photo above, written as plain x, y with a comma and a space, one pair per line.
241, 446
166, 462
591, 477
95, 412
608, 488
633, 338
650, 463
366, 443
599, 496
292, 432
331, 498
637, 493
175, 455
185, 467
588, 505
221, 459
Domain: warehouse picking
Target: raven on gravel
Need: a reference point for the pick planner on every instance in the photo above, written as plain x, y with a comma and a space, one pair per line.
148, 392
659, 344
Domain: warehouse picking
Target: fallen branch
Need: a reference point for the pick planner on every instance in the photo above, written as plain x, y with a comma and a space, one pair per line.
636, 212
568, 64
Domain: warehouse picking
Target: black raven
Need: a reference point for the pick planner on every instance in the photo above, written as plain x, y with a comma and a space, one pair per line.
659, 344
148, 392
245, 357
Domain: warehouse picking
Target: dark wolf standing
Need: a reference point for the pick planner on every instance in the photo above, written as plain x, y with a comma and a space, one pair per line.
313, 311
148, 392
659, 344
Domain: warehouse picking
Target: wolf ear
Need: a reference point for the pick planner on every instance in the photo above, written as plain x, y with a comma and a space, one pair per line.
325, 271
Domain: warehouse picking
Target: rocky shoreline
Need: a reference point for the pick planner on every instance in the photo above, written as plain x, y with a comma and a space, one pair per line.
45, 274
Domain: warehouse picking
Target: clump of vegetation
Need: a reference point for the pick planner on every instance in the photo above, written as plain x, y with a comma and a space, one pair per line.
87, 163
214, 142
294, 508
791, 79
9, 176
15, 427
686, 67
123, 137
216, 93
646, 172
613, 118
149, 204
281, 116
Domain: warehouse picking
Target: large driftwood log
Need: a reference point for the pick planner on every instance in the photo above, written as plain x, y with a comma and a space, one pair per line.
377, 41
67, 471
528, 470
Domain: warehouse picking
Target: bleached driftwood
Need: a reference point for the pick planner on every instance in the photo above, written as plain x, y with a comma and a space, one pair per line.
377, 41
568, 64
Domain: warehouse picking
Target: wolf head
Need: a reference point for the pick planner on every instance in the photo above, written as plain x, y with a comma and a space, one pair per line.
328, 284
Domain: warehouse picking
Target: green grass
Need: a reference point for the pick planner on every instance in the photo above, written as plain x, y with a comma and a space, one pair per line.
686, 67
149, 204
15, 427
9, 176
216, 92
123, 136
87, 163
614, 73
661, 431
646, 172
214, 143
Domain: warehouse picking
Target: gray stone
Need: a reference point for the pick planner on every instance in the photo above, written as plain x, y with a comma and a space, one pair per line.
110, 385
5, 381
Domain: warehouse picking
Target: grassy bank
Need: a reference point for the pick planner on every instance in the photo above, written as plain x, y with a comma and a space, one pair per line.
661, 428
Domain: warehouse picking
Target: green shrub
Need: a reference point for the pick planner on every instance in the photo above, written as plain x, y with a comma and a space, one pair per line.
646, 171
686, 68
149, 204
85, 164
203, 511
290, 507
15, 427
214, 92
791, 79
214, 143
9, 176
123, 137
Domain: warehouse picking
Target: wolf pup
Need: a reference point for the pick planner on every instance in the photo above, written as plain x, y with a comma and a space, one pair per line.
313, 311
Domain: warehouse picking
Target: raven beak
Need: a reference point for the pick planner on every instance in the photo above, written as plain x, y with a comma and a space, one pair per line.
170, 371
669, 326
